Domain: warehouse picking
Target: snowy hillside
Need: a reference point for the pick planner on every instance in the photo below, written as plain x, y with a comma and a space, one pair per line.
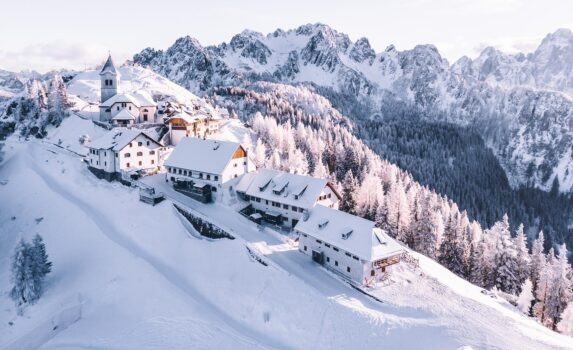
501, 95
131, 276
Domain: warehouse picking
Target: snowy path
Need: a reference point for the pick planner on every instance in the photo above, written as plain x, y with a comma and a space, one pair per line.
252, 336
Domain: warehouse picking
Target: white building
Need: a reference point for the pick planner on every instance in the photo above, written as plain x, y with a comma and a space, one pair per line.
347, 244
123, 150
123, 108
183, 124
207, 162
282, 197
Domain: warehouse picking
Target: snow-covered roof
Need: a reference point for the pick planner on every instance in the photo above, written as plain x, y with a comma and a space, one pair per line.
186, 117
279, 186
116, 139
124, 114
348, 232
109, 67
209, 156
139, 98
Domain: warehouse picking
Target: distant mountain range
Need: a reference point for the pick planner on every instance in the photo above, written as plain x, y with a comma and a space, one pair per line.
520, 104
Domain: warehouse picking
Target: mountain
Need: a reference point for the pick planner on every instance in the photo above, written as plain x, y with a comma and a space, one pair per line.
519, 104
10, 84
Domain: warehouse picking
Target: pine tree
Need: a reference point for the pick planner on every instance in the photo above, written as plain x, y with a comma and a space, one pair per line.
506, 272
565, 326
425, 240
348, 200
543, 287
560, 292
525, 298
30, 265
522, 255
451, 252
538, 259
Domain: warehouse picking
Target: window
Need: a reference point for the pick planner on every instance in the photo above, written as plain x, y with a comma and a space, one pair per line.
128, 165
236, 176
285, 206
335, 263
266, 202
300, 210
335, 249
139, 154
147, 141
245, 162
130, 108
354, 257
305, 248
140, 143
208, 177
151, 153
127, 155
318, 241
97, 162
104, 163
235, 165
348, 269
348, 255
216, 178
118, 108
153, 161
293, 208
372, 272
326, 244
140, 163
327, 259
130, 144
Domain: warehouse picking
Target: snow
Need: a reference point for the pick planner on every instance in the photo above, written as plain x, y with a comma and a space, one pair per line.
117, 139
127, 275
365, 241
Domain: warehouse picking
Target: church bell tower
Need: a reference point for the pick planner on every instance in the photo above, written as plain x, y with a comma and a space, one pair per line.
109, 77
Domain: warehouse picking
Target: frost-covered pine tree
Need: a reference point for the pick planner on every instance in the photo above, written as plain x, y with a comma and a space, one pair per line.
425, 228
349, 188
260, 154
538, 259
58, 102
525, 298
507, 269
565, 325
560, 291
522, 255
30, 265
451, 252
546, 271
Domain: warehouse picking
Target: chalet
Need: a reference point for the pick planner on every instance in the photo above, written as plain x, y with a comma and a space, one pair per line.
122, 108
123, 150
283, 198
205, 165
183, 124
347, 244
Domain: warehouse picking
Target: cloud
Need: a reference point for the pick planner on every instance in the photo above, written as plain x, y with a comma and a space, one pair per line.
56, 55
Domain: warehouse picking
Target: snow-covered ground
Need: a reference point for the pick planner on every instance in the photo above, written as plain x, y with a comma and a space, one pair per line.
128, 275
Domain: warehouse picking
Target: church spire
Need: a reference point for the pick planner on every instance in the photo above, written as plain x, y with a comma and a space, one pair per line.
108, 67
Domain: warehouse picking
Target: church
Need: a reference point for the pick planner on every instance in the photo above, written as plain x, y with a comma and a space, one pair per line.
123, 109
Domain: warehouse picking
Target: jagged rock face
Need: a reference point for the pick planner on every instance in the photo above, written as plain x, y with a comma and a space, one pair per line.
10, 84
502, 95
361, 51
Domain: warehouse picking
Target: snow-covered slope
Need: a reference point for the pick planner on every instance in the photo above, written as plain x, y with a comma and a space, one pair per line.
511, 99
130, 276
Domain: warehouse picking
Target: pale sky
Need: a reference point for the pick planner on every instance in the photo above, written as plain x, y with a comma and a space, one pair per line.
50, 34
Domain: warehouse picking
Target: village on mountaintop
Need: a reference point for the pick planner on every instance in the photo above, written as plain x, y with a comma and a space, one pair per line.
201, 167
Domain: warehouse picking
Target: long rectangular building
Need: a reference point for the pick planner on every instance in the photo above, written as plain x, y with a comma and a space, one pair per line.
347, 244
284, 197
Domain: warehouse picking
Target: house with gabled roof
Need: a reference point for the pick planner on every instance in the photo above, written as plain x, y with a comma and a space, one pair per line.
123, 150
283, 198
347, 244
186, 124
206, 163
